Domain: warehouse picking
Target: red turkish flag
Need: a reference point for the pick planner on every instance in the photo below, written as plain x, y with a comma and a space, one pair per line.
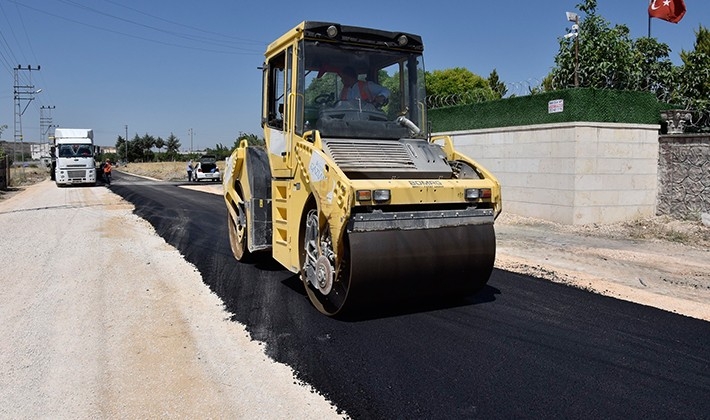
668, 10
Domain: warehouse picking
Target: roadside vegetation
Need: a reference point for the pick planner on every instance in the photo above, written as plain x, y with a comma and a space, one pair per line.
599, 56
148, 148
166, 171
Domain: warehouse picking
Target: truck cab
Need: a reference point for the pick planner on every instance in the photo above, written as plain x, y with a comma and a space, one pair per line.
73, 157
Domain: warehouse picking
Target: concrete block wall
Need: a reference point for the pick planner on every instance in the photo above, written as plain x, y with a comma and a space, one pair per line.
571, 173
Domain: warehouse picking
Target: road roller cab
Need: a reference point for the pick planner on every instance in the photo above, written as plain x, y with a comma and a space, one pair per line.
351, 191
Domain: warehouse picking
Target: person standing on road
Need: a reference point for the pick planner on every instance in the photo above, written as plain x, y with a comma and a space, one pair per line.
189, 171
107, 172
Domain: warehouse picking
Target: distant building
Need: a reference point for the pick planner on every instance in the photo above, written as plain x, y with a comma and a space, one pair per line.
39, 150
33, 149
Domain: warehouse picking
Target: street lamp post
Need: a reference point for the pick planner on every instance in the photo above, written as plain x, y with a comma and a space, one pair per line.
573, 17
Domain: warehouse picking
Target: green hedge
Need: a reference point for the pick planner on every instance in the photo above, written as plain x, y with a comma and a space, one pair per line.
591, 105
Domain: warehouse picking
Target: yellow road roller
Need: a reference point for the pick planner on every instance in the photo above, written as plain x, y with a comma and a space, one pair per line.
351, 190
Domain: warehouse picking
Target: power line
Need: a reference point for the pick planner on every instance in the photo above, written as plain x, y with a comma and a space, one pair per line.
11, 64
173, 33
244, 50
29, 44
187, 26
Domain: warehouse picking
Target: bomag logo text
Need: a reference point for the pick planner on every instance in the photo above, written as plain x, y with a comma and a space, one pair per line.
426, 183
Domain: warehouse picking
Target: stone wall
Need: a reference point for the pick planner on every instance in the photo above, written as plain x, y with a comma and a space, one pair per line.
684, 176
571, 173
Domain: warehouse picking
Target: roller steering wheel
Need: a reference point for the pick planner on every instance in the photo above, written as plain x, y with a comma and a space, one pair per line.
324, 98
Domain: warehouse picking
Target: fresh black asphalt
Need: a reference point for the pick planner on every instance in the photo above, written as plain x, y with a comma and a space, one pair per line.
522, 348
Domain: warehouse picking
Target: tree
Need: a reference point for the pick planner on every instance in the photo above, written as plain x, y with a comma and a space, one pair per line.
458, 83
610, 59
496, 85
145, 145
605, 56
172, 147
252, 140
121, 150
655, 70
220, 151
693, 80
702, 43
135, 152
159, 143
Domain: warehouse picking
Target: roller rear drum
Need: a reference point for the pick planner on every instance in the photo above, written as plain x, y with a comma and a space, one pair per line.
389, 267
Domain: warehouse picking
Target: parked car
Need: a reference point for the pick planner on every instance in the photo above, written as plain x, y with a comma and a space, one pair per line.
206, 169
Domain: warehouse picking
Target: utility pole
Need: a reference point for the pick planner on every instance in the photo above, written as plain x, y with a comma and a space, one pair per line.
22, 93
126, 143
190, 131
45, 121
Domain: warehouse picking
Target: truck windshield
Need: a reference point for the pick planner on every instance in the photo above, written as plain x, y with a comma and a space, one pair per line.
360, 92
75, 150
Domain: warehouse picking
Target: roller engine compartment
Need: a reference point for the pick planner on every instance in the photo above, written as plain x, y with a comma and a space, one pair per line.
389, 159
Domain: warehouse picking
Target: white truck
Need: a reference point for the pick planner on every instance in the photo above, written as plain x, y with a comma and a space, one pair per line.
73, 156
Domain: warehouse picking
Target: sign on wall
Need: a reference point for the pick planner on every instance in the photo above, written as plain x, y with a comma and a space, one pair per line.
556, 105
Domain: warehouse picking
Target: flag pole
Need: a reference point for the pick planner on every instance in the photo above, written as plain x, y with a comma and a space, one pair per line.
649, 19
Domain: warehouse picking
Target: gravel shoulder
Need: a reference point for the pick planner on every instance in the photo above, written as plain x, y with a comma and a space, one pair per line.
120, 325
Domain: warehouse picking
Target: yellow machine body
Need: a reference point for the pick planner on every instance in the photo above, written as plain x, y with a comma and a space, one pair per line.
355, 195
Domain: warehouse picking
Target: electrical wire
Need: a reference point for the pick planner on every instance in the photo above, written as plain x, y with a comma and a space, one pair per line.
10, 52
245, 40
196, 38
39, 101
237, 50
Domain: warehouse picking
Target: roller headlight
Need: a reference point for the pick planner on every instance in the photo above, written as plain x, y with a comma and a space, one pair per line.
380, 196
332, 31
476, 193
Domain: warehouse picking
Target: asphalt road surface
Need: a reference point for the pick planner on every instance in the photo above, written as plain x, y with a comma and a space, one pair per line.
522, 348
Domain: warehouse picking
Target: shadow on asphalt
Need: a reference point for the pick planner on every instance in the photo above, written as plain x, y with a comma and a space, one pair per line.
485, 295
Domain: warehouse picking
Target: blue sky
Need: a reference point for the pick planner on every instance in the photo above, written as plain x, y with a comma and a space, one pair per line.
164, 67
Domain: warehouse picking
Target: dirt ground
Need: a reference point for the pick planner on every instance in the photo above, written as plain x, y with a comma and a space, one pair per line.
656, 261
